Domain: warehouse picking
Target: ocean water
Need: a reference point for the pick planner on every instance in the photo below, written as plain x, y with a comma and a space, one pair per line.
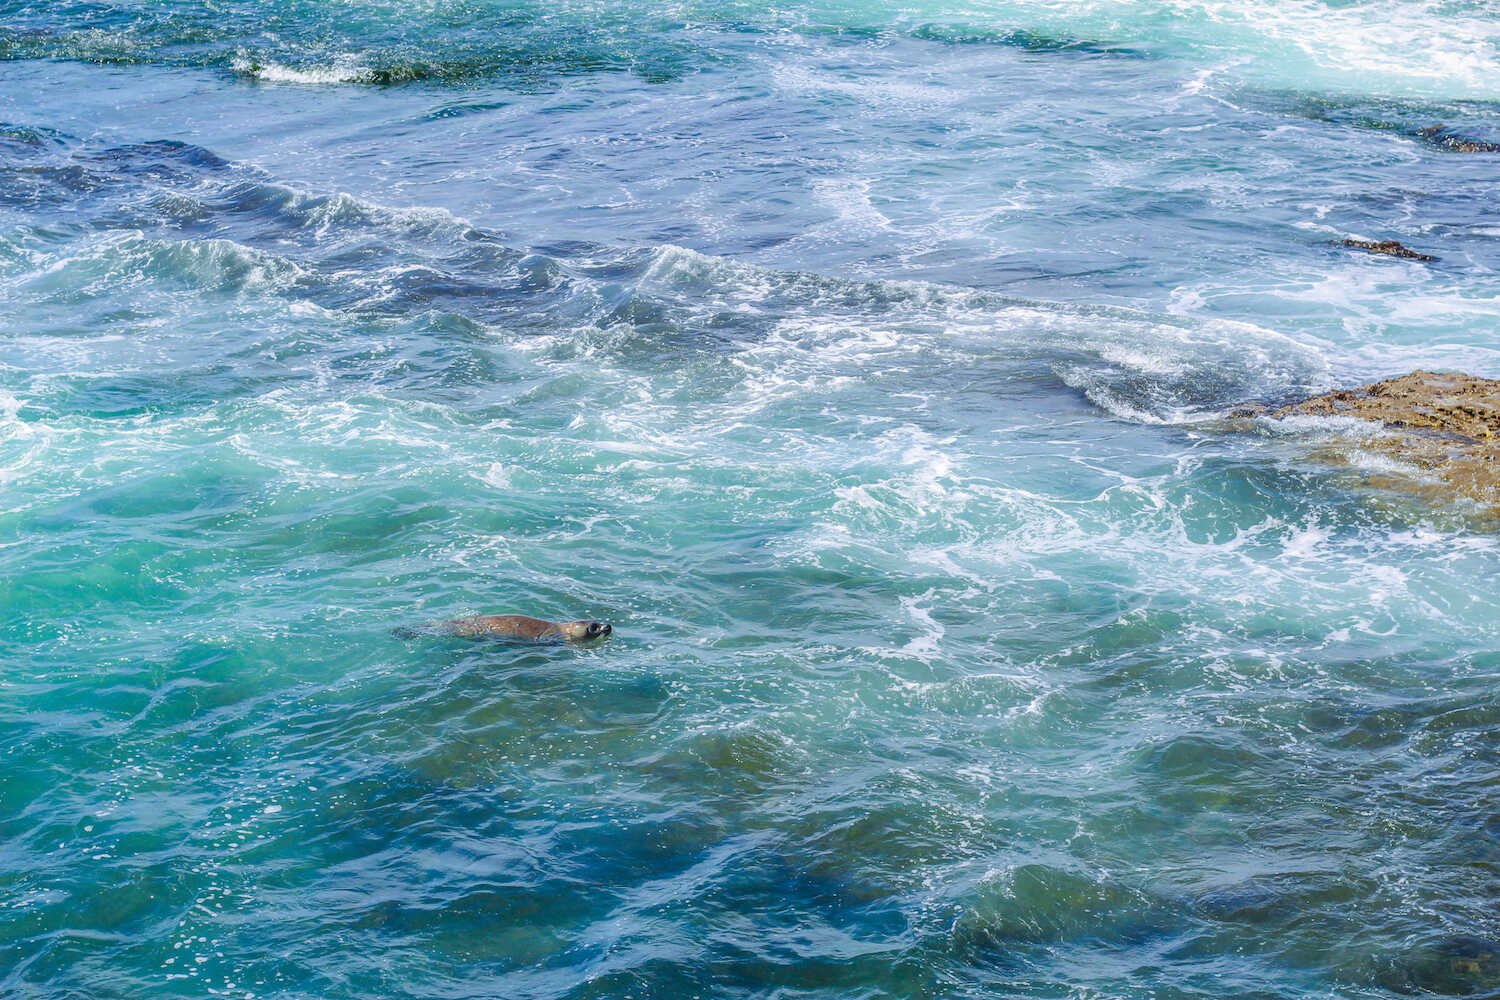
859, 361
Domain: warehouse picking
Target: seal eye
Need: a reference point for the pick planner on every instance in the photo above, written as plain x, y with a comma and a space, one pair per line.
594, 629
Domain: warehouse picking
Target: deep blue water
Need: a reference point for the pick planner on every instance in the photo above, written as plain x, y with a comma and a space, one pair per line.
860, 363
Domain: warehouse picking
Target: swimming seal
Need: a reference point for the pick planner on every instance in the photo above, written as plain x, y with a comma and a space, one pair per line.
522, 627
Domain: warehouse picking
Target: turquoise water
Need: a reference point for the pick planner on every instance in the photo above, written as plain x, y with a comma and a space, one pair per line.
858, 362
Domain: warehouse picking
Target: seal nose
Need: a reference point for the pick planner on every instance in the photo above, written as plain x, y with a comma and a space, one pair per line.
606, 629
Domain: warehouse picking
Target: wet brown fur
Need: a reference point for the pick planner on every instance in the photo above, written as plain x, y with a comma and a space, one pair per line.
523, 627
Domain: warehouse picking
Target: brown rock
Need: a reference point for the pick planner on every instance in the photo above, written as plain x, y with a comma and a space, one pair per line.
1448, 402
1439, 136
1445, 424
1389, 248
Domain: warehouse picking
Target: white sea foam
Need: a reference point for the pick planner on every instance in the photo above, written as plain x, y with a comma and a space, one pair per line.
1303, 543
1427, 48
9, 406
1395, 46
344, 70
1136, 365
850, 198
928, 643
881, 93
23, 443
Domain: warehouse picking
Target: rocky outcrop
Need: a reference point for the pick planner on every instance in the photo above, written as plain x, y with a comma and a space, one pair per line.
1444, 425
1389, 248
1439, 136
1446, 402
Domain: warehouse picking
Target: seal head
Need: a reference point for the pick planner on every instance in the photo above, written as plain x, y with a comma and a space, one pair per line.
585, 631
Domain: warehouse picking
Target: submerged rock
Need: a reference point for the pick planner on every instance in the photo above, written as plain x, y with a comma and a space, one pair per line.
1389, 248
1443, 425
1439, 136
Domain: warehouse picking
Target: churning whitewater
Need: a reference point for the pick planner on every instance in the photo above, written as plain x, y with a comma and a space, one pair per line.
867, 367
